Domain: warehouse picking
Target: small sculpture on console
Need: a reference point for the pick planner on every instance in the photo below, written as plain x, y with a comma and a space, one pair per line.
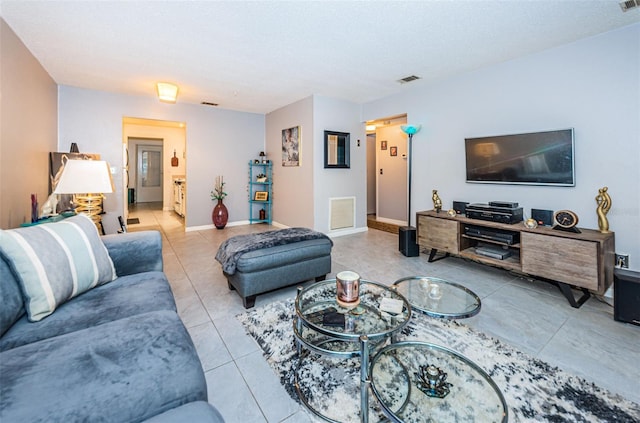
437, 202
604, 205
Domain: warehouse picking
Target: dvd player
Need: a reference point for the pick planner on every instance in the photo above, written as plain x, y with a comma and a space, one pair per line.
493, 252
481, 211
507, 204
505, 237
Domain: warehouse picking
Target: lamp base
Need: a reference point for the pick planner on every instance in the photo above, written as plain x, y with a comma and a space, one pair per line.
407, 244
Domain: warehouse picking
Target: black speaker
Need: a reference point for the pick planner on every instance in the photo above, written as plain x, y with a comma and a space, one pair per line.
407, 245
460, 207
626, 296
543, 217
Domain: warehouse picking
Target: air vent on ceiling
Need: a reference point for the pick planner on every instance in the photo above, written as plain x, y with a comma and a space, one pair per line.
208, 103
629, 4
408, 79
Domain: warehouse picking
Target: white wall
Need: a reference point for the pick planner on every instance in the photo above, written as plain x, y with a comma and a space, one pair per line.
330, 114
592, 85
219, 142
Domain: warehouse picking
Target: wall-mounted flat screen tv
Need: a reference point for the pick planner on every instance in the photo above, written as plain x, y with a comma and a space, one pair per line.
538, 158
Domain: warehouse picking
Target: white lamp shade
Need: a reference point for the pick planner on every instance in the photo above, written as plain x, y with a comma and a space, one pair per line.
85, 176
167, 92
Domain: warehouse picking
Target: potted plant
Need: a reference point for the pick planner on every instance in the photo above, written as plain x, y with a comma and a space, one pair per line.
261, 177
220, 214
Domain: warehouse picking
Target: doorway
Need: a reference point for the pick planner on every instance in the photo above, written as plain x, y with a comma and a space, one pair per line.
154, 158
387, 169
149, 172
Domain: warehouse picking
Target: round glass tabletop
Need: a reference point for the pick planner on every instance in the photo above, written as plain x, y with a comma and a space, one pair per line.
419, 381
325, 324
437, 297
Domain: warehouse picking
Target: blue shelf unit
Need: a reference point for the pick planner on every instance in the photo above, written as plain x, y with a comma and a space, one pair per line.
256, 203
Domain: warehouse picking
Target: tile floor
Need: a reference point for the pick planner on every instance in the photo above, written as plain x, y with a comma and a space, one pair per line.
530, 315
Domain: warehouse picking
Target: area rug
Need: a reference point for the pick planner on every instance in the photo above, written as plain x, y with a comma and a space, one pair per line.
534, 390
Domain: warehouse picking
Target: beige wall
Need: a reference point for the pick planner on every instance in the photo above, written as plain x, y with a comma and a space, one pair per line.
28, 129
293, 203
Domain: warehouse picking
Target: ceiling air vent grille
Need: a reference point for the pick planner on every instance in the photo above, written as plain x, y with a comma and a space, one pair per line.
208, 103
629, 4
407, 79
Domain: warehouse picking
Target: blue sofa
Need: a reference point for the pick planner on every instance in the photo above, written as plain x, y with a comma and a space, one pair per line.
117, 352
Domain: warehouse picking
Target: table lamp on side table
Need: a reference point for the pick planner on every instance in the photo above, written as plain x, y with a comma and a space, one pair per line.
88, 180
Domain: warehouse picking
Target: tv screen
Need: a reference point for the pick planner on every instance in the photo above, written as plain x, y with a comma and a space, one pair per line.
539, 158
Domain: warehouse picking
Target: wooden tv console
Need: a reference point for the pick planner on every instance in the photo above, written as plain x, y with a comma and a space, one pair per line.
584, 260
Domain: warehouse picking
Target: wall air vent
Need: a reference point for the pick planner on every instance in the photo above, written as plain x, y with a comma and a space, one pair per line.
208, 103
629, 4
407, 79
342, 212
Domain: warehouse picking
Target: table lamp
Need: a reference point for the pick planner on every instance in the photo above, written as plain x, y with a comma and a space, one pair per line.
87, 180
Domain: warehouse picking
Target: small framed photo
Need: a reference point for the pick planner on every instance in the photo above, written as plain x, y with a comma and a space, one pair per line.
393, 151
383, 145
261, 196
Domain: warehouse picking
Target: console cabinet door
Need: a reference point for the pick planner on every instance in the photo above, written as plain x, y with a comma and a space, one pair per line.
441, 234
572, 261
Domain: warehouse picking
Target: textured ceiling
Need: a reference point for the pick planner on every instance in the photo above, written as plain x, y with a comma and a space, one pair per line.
259, 56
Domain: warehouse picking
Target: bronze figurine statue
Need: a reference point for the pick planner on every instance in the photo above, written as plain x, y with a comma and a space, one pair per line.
604, 205
437, 202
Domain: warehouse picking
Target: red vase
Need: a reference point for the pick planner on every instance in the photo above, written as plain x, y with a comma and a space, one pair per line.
220, 215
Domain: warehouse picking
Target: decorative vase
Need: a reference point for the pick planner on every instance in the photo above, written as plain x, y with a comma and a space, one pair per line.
220, 215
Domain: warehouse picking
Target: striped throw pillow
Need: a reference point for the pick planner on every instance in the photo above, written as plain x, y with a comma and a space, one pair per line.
55, 262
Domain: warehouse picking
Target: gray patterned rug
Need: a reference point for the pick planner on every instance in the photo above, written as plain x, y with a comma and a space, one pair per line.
534, 390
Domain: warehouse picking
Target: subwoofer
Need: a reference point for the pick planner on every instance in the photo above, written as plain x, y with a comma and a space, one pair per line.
407, 245
626, 296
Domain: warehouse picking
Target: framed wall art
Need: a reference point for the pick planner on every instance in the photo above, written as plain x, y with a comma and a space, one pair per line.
393, 151
291, 147
383, 145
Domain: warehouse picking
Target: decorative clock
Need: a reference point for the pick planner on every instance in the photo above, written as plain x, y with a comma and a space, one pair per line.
566, 220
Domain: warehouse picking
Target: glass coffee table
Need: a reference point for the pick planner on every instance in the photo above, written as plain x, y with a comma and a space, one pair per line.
322, 326
437, 297
422, 382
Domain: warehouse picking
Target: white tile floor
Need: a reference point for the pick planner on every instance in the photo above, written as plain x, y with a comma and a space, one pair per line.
530, 315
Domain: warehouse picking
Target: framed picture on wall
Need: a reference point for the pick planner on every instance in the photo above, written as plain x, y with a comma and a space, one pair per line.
393, 151
383, 145
291, 147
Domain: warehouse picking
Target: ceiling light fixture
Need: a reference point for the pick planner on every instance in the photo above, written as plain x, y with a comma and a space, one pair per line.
370, 127
167, 92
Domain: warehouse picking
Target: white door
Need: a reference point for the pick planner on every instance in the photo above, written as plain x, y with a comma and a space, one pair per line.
149, 174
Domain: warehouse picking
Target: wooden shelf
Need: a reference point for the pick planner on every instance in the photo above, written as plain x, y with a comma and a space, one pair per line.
509, 263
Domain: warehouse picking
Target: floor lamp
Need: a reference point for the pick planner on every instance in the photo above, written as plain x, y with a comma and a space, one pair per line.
87, 180
407, 234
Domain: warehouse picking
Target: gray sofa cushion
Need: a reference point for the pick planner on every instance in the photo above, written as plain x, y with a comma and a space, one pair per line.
126, 296
124, 371
194, 412
55, 262
281, 255
135, 252
12, 306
